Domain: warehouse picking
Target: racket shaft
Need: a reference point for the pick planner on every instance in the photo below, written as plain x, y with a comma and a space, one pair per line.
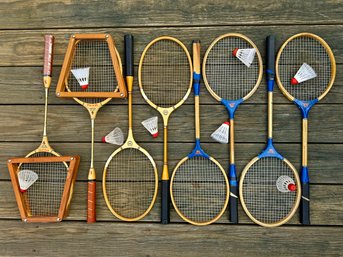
91, 201
233, 203
305, 186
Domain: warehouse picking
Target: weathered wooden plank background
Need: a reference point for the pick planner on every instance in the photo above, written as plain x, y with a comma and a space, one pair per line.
22, 25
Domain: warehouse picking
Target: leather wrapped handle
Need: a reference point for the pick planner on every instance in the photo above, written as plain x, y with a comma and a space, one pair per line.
48, 53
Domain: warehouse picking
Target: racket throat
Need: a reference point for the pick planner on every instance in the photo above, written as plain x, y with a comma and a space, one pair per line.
231, 106
305, 106
270, 151
197, 151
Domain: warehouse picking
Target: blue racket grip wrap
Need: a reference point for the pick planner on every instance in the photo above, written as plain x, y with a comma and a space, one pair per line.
233, 195
196, 83
305, 197
165, 202
270, 71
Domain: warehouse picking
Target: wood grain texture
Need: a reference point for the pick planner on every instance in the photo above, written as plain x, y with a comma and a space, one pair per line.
168, 13
113, 239
325, 159
26, 49
326, 207
28, 89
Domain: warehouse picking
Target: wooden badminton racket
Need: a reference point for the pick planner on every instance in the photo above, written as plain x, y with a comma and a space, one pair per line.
165, 81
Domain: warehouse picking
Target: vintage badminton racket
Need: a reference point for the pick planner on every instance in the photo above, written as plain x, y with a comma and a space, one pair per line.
231, 82
199, 187
165, 81
95, 51
312, 50
44, 197
269, 186
130, 178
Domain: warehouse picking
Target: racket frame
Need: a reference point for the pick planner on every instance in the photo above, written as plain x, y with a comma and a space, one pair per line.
305, 106
14, 164
62, 86
198, 151
129, 143
231, 105
165, 113
270, 151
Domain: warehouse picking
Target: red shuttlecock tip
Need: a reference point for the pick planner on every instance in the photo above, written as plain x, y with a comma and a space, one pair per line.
292, 187
234, 52
294, 81
227, 123
84, 87
22, 190
103, 139
155, 135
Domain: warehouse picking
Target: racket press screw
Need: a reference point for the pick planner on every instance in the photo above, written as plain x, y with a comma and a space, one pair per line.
9, 160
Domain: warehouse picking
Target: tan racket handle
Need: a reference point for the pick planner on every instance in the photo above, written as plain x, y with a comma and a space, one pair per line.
48, 53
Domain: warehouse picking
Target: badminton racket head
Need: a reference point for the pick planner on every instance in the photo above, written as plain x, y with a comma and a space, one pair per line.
130, 182
165, 73
199, 189
226, 77
259, 195
47, 199
310, 49
104, 76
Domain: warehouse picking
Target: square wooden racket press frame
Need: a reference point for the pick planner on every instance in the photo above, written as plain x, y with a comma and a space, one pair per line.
61, 90
13, 167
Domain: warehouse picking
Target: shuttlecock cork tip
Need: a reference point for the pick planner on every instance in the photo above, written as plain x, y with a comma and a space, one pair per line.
226, 123
292, 187
234, 52
22, 190
294, 81
84, 87
103, 139
155, 135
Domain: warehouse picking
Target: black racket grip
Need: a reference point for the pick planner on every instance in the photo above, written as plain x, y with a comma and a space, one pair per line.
305, 204
128, 54
165, 202
270, 52
234, 205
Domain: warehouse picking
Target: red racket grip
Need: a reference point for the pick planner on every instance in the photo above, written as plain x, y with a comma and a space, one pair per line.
48, 53
91, 202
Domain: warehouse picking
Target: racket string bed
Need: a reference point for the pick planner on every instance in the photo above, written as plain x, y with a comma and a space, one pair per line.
305, 50
228, 77
44, 196
129, 186
165, 66
94, 54
261, 196
199, 189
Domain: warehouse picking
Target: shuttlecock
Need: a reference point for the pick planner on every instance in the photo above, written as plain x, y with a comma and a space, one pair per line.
246, 56
306, 72
26, 179
115, 137
82, 76
221, 134
285, 184
151, 125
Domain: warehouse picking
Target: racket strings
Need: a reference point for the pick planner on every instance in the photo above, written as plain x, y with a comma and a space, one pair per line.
199, 190
260, 193
305, 50
43, 198
165, 73
96, 55
130, 183
228, 77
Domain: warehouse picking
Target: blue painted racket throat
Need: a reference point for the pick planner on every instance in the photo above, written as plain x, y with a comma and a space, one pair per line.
231, 106
305, 106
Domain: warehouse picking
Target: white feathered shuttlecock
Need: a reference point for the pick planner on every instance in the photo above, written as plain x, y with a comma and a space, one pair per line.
246, 56
221, 134
151, 125
306, 72
285, 184
26, 179
115, 137
82, 76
